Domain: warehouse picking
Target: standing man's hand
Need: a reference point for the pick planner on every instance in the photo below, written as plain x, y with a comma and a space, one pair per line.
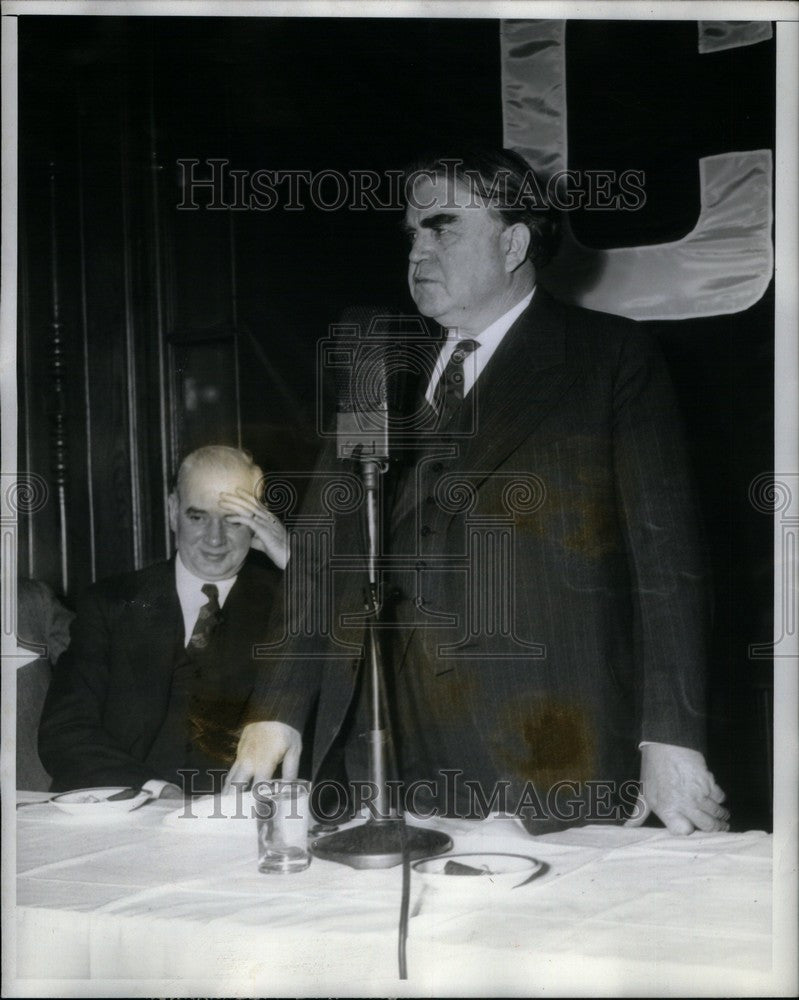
269, 534
262, 746
677, 786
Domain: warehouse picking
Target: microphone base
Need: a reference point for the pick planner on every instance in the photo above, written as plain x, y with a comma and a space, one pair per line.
379, 845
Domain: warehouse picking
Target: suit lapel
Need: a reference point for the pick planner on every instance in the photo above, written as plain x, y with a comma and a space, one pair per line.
525, 378
155, 626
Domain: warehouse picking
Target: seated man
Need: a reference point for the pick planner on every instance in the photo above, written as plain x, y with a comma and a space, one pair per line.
42, 620
43, 628
151, 691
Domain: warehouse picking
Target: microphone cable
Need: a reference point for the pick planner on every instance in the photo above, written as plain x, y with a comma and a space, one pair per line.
402, 957
392, 761
393, 766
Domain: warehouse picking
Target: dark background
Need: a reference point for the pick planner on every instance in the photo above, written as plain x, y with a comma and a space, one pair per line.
145, 330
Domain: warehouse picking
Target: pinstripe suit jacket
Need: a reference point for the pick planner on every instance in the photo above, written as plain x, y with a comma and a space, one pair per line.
548, 595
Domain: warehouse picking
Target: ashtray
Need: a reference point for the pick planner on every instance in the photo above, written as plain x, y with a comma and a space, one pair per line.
478, 872
96, 803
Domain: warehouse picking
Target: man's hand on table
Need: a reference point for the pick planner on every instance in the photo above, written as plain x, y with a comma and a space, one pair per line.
677, 786
262, 746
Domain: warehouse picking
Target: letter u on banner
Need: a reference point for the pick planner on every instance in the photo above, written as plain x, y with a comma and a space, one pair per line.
723, 265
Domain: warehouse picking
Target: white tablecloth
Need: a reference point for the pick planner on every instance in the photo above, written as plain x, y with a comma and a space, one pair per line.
141, 908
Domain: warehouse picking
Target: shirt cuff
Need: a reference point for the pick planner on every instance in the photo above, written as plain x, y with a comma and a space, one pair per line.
154, 786
655, 743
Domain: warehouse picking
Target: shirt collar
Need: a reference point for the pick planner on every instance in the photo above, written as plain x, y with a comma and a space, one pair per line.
190, 585
490, 337
489, 341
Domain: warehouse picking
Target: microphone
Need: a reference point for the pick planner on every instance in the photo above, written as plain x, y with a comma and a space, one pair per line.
361, 385
359, 352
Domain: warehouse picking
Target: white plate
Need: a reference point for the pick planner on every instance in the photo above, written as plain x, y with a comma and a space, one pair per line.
95, 803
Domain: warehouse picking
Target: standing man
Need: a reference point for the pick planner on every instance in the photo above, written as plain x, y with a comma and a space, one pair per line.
160, 664
592, 672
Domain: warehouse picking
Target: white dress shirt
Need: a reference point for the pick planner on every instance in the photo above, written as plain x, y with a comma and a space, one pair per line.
191, 596
475, 362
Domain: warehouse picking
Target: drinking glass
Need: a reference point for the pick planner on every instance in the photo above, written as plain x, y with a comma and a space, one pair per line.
282, 809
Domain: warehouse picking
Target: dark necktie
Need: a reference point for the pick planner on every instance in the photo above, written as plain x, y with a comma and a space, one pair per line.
448, 395
207, 618
174, 746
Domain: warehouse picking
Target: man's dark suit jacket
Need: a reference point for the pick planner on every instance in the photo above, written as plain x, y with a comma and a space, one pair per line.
552, 609
103, 720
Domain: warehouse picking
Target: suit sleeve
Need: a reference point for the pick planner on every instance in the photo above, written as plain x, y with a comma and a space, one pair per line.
74, 746
667, 558
309, 657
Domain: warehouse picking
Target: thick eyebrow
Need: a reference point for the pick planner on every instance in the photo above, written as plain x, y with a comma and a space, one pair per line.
195, 510
432, 222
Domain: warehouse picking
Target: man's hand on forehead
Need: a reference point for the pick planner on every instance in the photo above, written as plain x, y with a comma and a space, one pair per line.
269, 535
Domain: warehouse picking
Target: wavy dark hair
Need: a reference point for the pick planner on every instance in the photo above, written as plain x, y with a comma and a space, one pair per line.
510, 185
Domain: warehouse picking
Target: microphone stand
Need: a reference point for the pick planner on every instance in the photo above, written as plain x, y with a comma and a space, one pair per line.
383, 839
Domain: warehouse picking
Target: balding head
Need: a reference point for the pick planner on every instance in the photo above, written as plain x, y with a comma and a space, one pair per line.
209, 544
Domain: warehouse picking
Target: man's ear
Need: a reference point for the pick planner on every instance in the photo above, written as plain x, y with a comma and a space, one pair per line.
173, 507
515, 244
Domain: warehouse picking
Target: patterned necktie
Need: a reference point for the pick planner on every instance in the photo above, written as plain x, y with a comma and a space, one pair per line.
448, 396
207, 618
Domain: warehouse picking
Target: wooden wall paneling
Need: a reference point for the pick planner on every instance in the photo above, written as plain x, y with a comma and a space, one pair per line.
57, 376
51, 414
35, 315
108, 304
26, 522
234, 319
207, 390
202, 269
144, 321
78, 539
204, 334
161, 448
50, 406
84, 338
109, 271
146, 361
163, 206
133, 337
171, 386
